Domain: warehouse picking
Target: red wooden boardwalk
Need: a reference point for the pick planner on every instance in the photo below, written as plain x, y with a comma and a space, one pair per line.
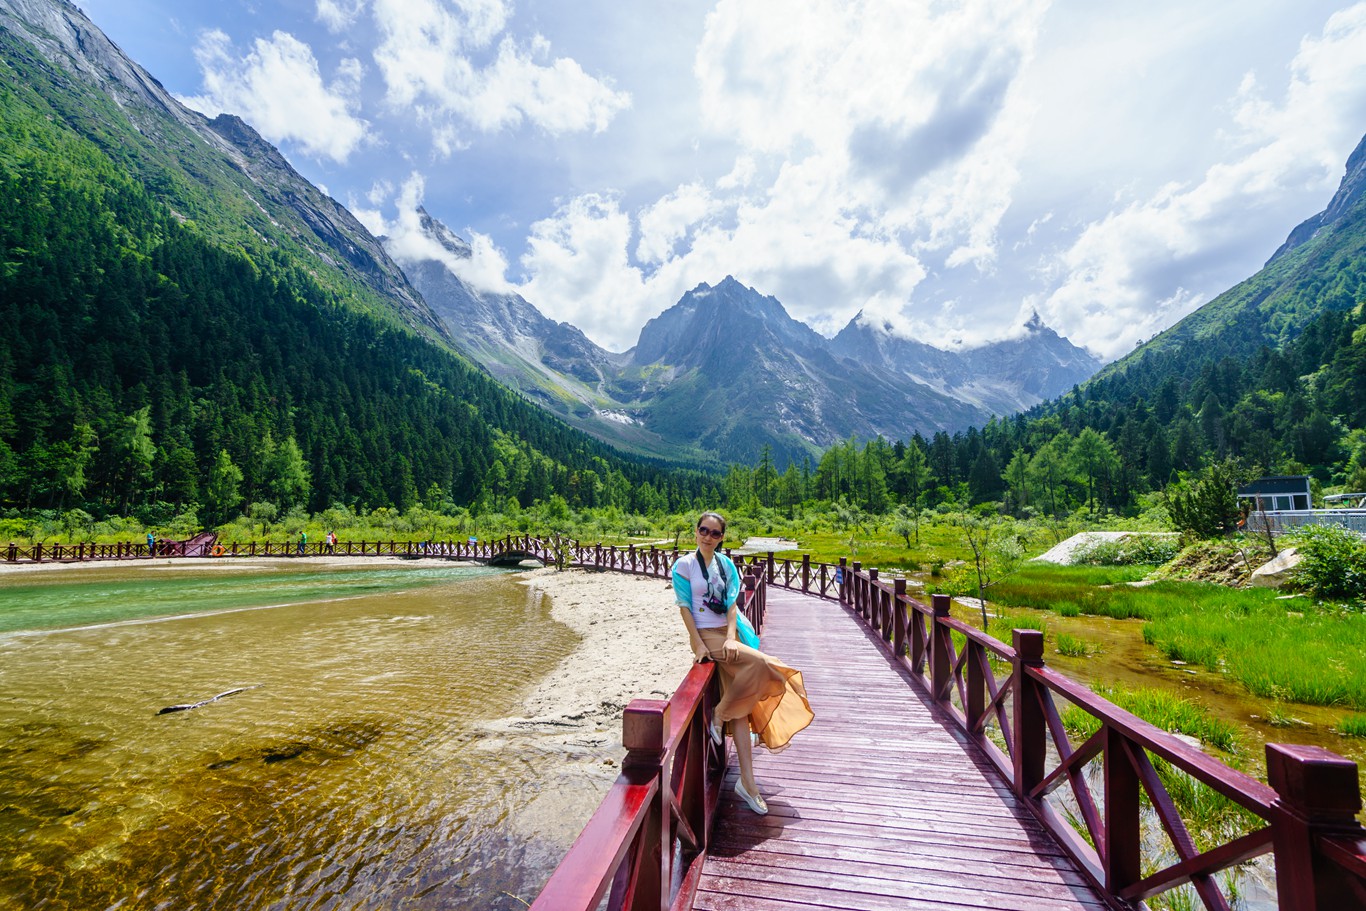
879, 804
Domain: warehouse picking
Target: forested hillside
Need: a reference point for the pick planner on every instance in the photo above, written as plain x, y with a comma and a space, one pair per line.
147, 366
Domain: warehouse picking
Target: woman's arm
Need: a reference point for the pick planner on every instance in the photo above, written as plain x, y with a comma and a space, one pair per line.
699, 648
683, 596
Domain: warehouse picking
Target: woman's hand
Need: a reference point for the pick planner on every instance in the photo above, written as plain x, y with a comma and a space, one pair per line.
731, 650
700, 653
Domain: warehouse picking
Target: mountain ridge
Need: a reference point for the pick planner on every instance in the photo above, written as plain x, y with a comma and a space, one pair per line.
718, 347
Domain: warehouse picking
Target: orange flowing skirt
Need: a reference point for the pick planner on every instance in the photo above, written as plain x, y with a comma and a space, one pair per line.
762, 687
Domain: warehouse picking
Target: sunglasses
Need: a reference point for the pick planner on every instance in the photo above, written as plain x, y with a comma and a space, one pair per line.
710, 532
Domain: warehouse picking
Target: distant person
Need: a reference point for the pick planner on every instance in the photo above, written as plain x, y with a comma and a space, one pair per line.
303, 542
151, 544
331, 542
759, 693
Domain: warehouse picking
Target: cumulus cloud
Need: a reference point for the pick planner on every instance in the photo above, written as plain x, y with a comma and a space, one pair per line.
1132, 273
580, 272
433, 58
278, 89
665, 223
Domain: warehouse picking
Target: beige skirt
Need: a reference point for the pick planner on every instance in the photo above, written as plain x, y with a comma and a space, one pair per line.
762, 687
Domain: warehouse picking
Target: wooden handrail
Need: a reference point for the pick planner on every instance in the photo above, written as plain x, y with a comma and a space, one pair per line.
1310, 808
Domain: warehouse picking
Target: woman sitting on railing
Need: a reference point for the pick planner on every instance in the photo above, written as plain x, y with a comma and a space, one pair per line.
758, 692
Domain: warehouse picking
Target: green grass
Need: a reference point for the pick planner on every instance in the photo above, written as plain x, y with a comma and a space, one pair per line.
1288, 651
1000, 627
1352, 726
1315, 657
1074, 646
1162, 709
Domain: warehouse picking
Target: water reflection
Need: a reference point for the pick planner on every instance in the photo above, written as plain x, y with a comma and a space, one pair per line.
350, 775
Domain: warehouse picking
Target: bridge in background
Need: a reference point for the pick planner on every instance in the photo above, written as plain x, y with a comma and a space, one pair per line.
939, 773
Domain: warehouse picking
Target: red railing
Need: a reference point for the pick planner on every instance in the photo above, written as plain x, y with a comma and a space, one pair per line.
1306, 818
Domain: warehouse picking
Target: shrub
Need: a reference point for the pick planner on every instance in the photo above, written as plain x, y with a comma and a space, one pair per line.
1206, 506
1332, 562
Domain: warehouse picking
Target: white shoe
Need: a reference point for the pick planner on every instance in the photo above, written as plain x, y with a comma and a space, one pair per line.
755, 802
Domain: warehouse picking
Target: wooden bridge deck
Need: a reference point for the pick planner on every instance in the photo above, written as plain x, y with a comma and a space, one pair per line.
879, 804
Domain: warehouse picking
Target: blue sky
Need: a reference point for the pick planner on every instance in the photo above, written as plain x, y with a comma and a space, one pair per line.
944, 168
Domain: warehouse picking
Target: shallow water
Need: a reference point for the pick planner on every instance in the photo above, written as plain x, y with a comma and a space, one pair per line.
350, 775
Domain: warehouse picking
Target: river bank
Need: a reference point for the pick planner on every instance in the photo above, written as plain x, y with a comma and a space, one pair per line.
631, 646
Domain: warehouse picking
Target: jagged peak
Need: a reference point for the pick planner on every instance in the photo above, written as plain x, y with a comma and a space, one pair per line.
443, 235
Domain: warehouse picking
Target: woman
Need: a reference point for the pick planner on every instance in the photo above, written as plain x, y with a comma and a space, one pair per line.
758, 692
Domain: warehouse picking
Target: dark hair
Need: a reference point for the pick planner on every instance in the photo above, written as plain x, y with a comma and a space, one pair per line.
712, 515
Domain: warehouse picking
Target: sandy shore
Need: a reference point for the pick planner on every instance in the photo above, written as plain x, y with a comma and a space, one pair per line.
633, 647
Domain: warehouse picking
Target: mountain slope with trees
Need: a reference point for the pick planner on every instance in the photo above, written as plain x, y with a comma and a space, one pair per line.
159, 351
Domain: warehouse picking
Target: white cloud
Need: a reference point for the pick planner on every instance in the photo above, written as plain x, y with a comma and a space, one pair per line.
858, 161
278, 89
579, 270
668, 221
407, 242
430, 55
338, 15
1130, 273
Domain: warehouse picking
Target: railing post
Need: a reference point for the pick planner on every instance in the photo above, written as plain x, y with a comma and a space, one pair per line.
899, 618
941, 644
872, 599
1317, 797
806, 574
975, 699
770, 567
1122, 853
645, 733
38, 552
1030, 749
12, 554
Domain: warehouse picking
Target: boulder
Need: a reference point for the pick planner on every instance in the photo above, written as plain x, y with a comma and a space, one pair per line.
1276, 572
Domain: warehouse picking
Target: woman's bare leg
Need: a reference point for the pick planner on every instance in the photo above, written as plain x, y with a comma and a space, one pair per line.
744, 753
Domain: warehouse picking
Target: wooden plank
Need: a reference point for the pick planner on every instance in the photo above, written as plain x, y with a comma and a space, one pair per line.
881, 803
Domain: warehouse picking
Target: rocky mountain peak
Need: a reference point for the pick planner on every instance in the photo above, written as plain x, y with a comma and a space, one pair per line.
1351, 189
450, 241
